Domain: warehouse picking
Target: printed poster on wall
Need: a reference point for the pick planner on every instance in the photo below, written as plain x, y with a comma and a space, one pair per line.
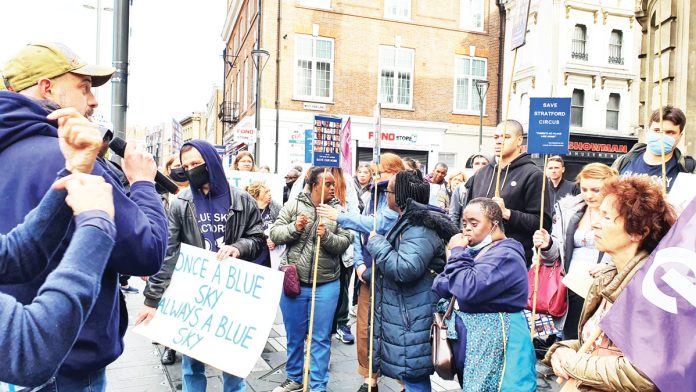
327, 142
220, 313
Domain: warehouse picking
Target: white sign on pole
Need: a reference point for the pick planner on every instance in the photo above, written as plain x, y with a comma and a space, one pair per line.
217, 312
276, 182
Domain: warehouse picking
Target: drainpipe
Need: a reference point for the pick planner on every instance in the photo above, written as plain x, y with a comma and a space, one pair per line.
277, 87
501, 59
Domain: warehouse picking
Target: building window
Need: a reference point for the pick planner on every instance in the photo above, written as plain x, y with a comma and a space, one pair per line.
396, 77
397, 9
236, 43
448, 158
471, 15
579, 41
246, 85
613, 111
314, 58
254, 79
242, 27
577, 106
615, 44
250, 10
466, 71
316, 3
239, 86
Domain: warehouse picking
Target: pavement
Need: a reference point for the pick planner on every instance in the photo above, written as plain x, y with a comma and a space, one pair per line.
139, 368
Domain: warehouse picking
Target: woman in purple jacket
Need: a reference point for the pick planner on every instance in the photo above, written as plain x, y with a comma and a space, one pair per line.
487, 277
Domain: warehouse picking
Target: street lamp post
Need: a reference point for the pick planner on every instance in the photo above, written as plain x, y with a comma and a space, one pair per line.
481, 89
259, 57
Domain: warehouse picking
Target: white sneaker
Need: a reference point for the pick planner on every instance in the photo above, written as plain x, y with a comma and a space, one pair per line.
288, 386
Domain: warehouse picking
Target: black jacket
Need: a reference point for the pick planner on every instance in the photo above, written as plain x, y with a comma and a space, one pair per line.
685, 163
243, 229
520, 185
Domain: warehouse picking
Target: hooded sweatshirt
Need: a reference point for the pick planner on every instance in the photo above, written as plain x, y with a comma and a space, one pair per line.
211, 208
30, 158
520, 188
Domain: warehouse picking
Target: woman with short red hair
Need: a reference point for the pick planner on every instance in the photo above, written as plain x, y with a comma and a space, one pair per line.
634, 216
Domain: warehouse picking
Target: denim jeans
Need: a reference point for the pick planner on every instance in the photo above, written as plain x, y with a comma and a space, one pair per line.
194, 379
296, 318
421, 384
94, 382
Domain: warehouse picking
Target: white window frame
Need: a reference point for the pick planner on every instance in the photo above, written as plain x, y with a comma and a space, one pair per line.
324, 4
242, 26
250, 4
388, 4
617, 111
472, 88
466, 14
396, 70
314, 97
254, 79
576, 106
246, 85
239, 86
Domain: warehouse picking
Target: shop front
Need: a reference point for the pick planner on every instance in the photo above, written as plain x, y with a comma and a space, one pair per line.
422, 146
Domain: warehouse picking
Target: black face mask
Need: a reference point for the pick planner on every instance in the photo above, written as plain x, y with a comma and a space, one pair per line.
178, 174
198, 176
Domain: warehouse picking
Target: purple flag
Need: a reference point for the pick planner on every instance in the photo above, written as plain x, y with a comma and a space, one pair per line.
654, 319
347, 149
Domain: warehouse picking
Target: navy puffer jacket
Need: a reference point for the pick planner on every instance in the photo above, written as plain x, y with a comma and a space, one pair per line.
407, 260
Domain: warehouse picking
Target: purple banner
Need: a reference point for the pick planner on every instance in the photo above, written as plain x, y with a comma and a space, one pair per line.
653, 320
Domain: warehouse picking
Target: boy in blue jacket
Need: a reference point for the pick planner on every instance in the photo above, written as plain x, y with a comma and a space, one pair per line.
41, 78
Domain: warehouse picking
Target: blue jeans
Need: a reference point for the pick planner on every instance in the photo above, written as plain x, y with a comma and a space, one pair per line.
194, 379
296, 318
421, 384
93, 382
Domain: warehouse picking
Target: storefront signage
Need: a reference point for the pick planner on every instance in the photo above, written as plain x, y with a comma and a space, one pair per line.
599, 147
549, 126
245, 135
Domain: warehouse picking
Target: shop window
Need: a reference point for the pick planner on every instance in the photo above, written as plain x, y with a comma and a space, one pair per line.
613, 111
579, 42
397, 9
466, 71
396, 77
615, 46
471, 15
448, 158
577, 106
314, 57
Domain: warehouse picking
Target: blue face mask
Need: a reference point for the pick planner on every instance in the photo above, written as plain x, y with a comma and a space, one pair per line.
654, 142
485, 242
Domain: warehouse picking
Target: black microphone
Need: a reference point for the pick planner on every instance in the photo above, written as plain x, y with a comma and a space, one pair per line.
118, 146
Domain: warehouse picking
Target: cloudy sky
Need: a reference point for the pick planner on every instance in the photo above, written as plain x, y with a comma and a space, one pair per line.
175, 48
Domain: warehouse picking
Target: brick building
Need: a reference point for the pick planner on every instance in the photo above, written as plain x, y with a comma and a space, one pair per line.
339, 58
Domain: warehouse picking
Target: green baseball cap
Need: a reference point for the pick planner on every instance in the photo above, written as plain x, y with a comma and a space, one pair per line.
45, 61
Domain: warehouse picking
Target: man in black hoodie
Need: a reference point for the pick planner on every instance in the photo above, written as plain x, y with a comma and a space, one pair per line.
520, 187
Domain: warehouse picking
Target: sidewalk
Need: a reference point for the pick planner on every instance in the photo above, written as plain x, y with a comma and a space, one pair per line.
139, 368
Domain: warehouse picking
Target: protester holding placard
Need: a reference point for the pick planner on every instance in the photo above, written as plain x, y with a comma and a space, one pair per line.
519, 196
210, 215
405, 261
298, 227
389, 165
572, 241
645, 159
487, 278
634, 216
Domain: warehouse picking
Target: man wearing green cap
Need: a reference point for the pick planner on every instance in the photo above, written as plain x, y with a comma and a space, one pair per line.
40, 79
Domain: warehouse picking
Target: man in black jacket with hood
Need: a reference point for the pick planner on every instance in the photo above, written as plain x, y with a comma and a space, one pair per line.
520, 187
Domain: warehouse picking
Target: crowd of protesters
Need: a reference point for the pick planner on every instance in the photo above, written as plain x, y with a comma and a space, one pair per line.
76, 225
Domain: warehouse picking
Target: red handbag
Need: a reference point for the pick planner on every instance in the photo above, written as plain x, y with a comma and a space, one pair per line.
552, 295
291, 281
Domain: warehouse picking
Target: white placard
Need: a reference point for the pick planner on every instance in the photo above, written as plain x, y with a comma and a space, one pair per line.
276, 182
683, 191
217, 312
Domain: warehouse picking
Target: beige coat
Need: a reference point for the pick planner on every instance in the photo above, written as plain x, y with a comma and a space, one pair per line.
605, 372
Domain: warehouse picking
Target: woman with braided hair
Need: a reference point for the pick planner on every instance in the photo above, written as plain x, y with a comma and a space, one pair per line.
405, 262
